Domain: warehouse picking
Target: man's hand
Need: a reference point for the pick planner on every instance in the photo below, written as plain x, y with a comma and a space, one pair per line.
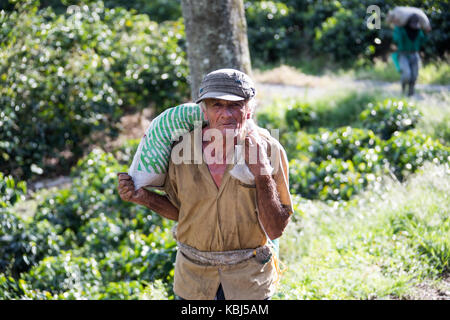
273, 216
256, 155
126, 188
158, 203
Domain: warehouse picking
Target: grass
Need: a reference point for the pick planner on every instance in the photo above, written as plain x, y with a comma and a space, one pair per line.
437, 73
378, 246
315, 66
435, 120
342, 106
388, 241
379, 71
336, 109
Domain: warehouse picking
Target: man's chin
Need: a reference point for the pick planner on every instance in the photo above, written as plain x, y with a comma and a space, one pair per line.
230, 130
227, 128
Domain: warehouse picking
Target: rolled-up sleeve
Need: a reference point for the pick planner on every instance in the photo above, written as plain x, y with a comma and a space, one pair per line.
282, 181
279, 162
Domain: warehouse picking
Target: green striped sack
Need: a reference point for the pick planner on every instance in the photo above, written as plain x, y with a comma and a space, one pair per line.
150, 162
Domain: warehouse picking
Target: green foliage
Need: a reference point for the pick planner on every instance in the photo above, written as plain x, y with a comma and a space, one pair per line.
333, 111
23, 244
157, 10
272, 117
435, 118
338, 164
334, 179
435, 73
343, 36
300, 115
85, 242
10, 191
380, 245
63, 77
9, 288
407, 151
281, 31
100, 235
344, 143
124, 154
64, 273
270, 30
390, 116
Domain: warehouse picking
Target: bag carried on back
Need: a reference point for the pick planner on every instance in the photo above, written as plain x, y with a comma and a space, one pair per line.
150, 162
399, 16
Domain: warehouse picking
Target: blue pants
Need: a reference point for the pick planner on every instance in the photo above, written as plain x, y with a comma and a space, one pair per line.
409, 66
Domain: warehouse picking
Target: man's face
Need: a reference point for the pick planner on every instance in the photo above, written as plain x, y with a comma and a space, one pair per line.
226, 115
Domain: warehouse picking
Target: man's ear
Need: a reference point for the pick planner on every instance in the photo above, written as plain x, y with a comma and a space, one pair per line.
249, 114
249, 111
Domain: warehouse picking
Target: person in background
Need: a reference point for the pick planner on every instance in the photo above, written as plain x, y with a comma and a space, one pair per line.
409, 39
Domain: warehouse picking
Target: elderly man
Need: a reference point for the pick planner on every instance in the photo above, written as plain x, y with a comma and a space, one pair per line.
224, 224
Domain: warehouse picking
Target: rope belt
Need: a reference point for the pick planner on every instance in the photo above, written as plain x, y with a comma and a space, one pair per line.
225, 258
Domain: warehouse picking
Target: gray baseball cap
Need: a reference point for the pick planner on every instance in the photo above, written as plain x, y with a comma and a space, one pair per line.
226, 84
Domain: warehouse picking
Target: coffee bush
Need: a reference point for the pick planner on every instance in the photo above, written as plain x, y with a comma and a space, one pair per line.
334, 179
64, 273
142, 255
270, 30
64, 77
84, 242
9, 288
389, 116
93, 192
11, 191
336, 165
300, 115
23, 244
343, 143
407, 151
100, 235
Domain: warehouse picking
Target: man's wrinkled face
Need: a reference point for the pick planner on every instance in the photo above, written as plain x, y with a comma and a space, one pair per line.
226, 115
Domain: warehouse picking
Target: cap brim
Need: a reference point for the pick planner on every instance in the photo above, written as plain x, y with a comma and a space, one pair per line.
219, 95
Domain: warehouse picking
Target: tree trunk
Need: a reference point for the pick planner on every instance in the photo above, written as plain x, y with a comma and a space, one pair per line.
216, 34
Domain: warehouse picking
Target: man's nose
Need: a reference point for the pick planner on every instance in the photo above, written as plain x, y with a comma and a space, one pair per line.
226, 112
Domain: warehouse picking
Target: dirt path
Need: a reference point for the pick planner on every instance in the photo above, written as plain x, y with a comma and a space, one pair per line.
268, 90
427, 290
